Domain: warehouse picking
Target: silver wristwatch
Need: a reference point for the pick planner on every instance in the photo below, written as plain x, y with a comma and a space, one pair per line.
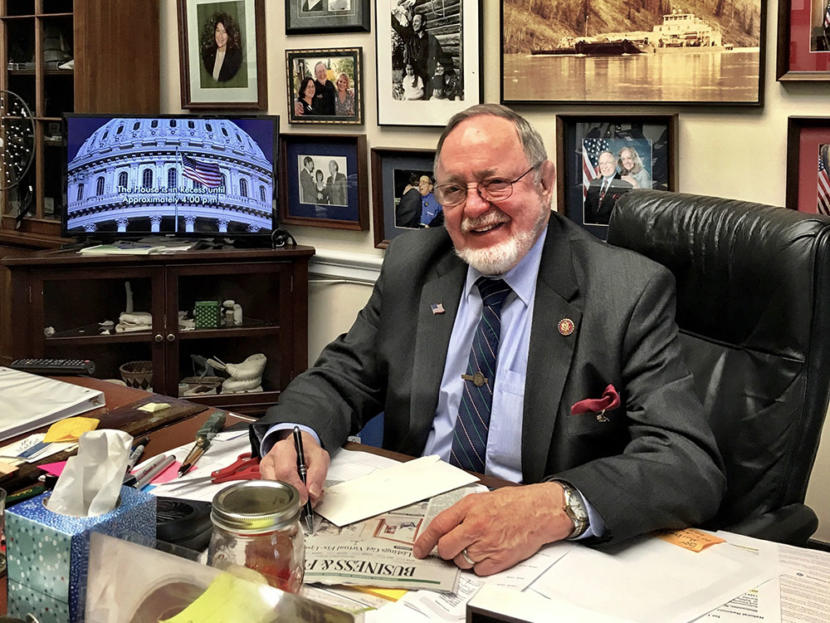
575, 509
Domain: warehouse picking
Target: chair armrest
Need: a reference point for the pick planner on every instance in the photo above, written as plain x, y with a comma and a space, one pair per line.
793, 524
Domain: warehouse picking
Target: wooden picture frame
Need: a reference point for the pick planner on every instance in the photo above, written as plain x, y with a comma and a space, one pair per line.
323, 16
391, 171
327, 103
623, 58
808, 159
445, 80
649, 142
803, 42
339, 203
238, 80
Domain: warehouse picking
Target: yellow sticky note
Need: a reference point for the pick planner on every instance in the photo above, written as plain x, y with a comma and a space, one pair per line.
70, 429
228, 598
691, 539
390, 594
152, 407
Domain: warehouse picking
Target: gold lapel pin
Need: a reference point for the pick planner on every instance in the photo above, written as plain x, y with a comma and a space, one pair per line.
566, 326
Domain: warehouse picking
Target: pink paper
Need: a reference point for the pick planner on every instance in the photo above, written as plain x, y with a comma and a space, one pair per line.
55, 469
171, 473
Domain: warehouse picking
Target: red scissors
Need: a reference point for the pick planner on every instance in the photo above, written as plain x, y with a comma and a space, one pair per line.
245, 467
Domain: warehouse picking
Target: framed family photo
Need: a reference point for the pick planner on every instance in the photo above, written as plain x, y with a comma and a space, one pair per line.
321, 16
601, 157
323, 181
808, 164
402, 184
428, 60
702, 52
803, 41
222, 54
325, 86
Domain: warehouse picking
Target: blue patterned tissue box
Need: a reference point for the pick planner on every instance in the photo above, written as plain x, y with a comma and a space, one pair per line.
48, 553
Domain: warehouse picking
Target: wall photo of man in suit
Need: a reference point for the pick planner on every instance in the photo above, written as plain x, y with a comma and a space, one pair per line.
604, 191
579, 321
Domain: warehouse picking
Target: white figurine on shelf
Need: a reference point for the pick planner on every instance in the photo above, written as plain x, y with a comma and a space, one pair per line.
244, 377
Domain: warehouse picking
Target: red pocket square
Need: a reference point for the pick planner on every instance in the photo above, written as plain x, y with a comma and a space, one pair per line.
610, 400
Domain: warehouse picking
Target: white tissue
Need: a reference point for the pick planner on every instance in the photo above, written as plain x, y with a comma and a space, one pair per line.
91, 481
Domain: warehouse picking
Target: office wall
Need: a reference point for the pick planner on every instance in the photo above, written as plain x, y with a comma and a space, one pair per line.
730, 152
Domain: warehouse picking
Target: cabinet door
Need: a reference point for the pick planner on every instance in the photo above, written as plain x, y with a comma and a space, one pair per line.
68, 307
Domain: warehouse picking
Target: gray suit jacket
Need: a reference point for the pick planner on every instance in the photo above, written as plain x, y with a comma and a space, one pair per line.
652, 463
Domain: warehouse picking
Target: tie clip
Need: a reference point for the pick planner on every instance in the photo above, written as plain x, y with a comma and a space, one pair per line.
478, 378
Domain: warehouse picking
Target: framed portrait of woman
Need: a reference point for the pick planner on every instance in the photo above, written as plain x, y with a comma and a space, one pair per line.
325, 86
222, 54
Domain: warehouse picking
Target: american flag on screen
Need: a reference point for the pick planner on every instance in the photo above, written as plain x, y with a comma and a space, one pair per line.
823, 188
205, 172
591, 149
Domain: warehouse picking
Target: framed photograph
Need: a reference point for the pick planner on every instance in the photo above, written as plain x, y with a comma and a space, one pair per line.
320, 16
323, 181
601, 157
803, 41
630, 53
325, 86
428, 60
222, 54
402, 183
808, 164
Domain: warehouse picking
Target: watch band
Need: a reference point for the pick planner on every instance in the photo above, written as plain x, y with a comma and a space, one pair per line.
575, 510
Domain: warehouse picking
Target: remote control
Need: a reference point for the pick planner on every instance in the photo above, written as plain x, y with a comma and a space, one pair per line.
57, 367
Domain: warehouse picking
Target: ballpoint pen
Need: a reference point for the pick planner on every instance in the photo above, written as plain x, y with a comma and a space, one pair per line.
204, 435
302, 469
132, 479
148, 476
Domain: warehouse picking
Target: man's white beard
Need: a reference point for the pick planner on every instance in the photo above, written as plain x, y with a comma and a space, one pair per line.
500, 258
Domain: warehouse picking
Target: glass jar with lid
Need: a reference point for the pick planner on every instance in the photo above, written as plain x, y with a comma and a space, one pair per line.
256, 525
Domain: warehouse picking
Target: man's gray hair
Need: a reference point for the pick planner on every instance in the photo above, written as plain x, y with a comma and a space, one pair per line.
530, 139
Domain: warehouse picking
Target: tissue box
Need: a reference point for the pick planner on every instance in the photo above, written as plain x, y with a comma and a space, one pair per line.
48, 553
207, 314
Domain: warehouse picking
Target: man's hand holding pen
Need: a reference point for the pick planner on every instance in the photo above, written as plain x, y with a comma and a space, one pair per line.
281, 464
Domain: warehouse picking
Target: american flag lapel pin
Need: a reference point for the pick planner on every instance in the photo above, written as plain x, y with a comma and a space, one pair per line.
437, 308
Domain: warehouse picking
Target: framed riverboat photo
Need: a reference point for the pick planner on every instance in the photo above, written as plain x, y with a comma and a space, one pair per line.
803, 41
601, 157
618, 52
808, 164
428, 60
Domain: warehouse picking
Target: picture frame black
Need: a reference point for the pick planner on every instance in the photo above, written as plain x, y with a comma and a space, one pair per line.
391, 168
326, 16
323, 106
803, 53
238, 81
676, 58
581, 140
808, 164
339, 203
449, 73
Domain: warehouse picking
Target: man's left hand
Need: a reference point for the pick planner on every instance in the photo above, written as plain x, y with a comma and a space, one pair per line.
499, 528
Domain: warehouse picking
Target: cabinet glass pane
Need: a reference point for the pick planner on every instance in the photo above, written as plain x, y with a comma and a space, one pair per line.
54, 182
257, 293
57, 44
235, 351
108, 358
57, 6
20, 38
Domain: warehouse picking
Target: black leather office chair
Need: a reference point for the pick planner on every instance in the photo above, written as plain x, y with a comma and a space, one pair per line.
753, 307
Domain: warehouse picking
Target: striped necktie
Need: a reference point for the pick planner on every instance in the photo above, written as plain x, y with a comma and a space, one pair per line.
469, 441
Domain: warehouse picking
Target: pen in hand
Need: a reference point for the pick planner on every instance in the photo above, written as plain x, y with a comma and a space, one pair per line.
302, 469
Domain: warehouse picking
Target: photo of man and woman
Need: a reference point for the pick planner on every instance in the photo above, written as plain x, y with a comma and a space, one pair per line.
612, 167
415, 205
323, 180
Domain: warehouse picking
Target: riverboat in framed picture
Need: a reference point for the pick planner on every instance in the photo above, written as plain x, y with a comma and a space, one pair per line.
803, 41
707, 52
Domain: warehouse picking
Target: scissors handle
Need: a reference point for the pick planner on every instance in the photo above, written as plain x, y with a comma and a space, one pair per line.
244, 468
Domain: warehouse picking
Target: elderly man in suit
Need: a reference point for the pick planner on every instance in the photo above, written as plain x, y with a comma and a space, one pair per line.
584, 395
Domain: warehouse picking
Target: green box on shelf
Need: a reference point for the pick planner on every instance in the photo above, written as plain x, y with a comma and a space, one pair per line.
207, 314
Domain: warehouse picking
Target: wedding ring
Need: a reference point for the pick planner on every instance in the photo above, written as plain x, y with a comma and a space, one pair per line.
466, 557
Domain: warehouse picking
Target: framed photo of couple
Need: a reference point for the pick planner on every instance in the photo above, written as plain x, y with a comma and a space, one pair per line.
601, 157
428, 60
222, 54
321, 16
323, 181
808, 164
803, 41
325, 86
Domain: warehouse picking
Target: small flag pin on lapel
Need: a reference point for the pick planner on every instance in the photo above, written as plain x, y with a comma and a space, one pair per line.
566, 326
437, 308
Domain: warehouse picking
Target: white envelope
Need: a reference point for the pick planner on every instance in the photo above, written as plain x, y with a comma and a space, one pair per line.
387, 489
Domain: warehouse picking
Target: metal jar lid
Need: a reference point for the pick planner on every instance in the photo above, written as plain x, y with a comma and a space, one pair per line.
256, 506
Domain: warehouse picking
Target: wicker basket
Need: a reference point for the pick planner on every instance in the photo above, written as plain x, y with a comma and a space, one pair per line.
138, 374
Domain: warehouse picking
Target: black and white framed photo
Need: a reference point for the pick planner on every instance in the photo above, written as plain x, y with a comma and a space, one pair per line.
323, 181
325, 86
428, 60
602, 157
222, 54
321, 16
402, 197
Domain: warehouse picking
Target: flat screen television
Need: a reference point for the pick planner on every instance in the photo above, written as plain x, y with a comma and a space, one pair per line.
184, 175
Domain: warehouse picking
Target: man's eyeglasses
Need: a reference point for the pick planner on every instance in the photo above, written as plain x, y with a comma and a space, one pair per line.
491, 189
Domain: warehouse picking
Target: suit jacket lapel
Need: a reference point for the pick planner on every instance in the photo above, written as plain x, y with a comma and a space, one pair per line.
551, 351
